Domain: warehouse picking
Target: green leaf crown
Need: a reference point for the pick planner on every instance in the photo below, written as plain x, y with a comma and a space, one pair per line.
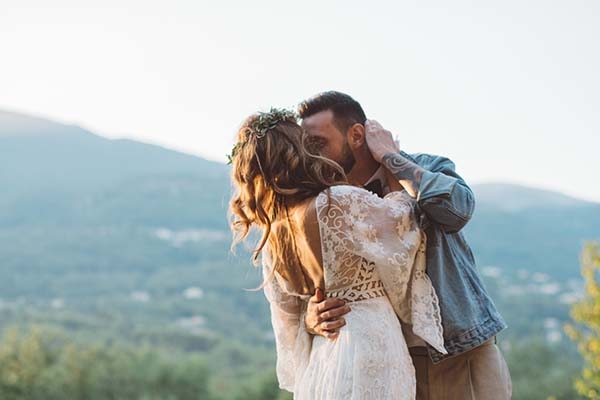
264, 122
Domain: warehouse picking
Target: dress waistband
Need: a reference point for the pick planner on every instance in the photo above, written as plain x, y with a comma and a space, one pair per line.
364, 291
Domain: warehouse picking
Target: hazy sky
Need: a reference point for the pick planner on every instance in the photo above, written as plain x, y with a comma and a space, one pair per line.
510, 90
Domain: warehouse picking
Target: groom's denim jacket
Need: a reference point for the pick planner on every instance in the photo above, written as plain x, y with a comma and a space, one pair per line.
444, 206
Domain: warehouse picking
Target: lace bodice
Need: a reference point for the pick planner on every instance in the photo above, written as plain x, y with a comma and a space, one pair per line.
364, 284
357, 227
371, 247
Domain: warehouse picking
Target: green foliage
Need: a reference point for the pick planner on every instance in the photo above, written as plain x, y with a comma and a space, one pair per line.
79, 216
586, 315
541, 371
44, 365
264, 387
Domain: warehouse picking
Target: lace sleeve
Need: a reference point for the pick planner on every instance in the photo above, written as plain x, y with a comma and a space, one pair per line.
385, 232
291, 339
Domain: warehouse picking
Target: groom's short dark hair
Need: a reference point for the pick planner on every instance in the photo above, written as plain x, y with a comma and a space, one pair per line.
346, 110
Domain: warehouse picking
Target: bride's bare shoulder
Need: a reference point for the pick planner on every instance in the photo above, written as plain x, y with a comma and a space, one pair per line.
307, 213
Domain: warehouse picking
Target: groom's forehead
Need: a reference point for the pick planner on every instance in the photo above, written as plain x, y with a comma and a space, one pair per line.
319, 122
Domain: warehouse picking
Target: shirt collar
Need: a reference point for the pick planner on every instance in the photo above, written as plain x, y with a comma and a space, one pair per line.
379, 174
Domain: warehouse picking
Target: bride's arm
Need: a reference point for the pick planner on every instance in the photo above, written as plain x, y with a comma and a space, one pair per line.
286, 311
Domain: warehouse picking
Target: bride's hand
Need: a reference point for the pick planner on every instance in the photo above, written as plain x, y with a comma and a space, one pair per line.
324, 316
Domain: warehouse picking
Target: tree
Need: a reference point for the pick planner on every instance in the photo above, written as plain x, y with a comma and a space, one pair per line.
40, 364
586, 332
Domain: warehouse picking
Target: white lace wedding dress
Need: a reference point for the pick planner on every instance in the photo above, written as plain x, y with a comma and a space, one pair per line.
374, 258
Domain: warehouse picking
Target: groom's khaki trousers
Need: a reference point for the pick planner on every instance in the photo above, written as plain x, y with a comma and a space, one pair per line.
478, 374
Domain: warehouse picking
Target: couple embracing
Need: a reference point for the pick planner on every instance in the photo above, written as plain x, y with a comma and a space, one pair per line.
373, 290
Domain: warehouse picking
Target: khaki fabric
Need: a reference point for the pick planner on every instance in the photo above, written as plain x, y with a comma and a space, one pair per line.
478, 374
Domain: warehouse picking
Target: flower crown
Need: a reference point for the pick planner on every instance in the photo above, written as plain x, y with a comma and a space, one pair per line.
261, 125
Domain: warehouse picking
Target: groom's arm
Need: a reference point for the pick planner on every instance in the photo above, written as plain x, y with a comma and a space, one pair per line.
440, 192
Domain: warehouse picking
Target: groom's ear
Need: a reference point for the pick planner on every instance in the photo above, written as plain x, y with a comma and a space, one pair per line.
356, 136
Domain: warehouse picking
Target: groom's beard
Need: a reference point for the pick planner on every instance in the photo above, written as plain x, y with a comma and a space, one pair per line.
348, 160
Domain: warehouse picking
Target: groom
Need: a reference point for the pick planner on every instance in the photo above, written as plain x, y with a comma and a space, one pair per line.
474, 367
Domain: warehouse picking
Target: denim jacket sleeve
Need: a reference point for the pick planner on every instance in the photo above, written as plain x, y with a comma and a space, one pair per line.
443, 195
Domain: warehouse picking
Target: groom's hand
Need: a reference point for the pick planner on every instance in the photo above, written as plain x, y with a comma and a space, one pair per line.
379, 140
324, 316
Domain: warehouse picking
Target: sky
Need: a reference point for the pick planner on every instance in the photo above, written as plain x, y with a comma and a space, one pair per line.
509, 90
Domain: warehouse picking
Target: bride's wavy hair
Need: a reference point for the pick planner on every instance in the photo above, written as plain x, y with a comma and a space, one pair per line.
275, 168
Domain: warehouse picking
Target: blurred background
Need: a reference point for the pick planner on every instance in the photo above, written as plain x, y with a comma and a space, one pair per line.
116, 279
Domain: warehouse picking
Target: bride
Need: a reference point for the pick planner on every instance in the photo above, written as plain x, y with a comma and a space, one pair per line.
319, 232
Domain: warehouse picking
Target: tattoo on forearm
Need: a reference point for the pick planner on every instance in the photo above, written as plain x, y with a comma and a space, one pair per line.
407, 172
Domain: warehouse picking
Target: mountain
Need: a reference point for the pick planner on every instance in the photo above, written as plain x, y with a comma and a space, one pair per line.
512, 197
58, 173
63, 175
522, 228
121, 241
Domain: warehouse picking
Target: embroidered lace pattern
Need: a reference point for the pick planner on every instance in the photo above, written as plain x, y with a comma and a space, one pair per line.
356, 224
366, 285
374, 257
